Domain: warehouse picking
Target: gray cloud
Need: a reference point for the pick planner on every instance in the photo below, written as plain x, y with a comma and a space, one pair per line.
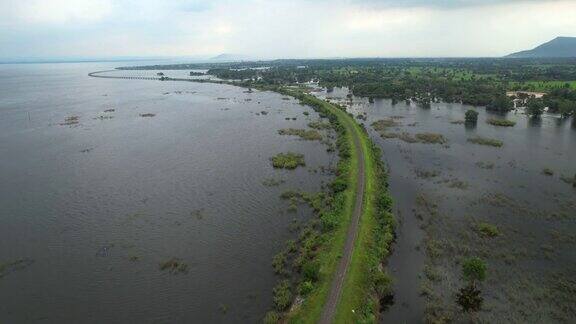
279, 28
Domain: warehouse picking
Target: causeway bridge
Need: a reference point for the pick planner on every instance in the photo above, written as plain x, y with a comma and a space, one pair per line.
98, 74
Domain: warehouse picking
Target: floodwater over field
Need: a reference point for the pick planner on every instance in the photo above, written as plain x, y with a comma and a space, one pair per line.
446, 194
102, 180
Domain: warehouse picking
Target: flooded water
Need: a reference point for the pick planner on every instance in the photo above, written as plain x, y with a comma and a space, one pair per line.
94, 197
442, 192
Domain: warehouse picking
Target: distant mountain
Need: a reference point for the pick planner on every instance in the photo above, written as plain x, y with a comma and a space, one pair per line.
558, 47
230, 57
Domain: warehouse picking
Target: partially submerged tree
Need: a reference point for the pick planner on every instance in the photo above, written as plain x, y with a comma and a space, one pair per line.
471, 116
534, 107
469, 299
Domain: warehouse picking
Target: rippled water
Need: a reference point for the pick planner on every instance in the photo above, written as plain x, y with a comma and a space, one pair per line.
535, 213
94, 208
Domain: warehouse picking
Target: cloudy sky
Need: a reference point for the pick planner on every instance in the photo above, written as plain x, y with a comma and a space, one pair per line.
279, 28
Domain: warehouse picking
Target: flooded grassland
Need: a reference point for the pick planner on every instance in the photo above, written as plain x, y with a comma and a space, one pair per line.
504, 194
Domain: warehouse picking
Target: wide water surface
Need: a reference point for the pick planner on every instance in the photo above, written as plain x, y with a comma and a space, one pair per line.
91, 209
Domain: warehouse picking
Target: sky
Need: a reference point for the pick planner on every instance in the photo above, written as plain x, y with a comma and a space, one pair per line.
280, 28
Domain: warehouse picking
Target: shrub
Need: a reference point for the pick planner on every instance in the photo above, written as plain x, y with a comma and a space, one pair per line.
271, 317
474, 269
305, 287
282, 295
547, 171
311, 271
382, 283
471, 116
339, 184
279, 263
469, 299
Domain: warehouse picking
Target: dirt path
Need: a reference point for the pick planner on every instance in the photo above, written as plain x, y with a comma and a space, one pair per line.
329, 311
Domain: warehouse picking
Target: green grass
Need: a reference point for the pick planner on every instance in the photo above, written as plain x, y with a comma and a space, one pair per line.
364, 280
331, 249
358, 302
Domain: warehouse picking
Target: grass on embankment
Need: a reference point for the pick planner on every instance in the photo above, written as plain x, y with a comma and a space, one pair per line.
333, 240
365, 282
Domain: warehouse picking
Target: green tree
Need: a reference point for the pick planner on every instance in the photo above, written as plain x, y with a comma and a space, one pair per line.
471, 116
500, 103
534, 107
566, 108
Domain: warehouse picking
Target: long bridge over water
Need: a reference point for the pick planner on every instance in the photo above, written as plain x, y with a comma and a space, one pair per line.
98, 74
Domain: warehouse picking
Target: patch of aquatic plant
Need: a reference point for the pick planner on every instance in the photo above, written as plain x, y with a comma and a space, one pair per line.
548, 172
272, 182
485, 165
382, 125
569, 180
404, 136
103, 117
487, 229
134, 258
457, 122
147, 115
486, 141
426, 174
174, 266
500, 122
13, 266
309, 135
70, 121
458, 184
319, 124
109, 110
432, 273
316, 201
197, 213
431, 138
288, 160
